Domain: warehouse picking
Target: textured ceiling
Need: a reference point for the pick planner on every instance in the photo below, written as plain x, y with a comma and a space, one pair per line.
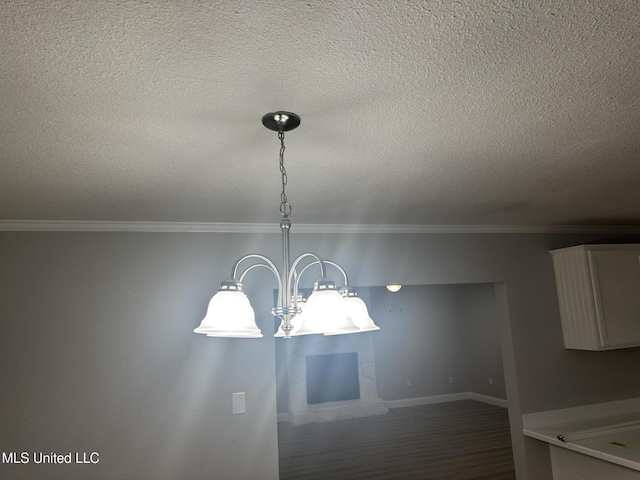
432, 112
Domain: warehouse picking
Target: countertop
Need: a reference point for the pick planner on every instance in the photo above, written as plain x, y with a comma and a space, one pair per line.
592, 430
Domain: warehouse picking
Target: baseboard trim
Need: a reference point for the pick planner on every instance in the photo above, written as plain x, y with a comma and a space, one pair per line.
498, 402
412, 402
450, 397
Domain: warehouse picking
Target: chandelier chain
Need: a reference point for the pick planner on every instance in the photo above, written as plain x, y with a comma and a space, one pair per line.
285, 206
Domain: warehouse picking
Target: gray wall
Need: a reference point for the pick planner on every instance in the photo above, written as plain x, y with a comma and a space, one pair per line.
97, 354
420, 340
428, 334
481, 334
432, 332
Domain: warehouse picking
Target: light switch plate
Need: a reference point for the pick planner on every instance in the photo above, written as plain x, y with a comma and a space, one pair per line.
238, 403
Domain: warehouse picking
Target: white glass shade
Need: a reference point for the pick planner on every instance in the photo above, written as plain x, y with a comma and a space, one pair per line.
229, 315
326, 312
306, 324
357, 311
394, 288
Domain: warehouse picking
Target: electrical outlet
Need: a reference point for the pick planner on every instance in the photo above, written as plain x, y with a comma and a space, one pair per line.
450, 379
491, 381
408, 382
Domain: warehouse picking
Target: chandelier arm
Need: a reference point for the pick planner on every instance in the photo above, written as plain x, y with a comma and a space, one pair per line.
293, 284
251, 267
318, 261
342, 270
332, 263
327, 262
269, 265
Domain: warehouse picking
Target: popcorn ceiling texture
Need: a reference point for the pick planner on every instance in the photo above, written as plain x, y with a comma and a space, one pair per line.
430, 112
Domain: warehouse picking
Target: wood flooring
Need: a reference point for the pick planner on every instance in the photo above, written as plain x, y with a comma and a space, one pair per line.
454, 441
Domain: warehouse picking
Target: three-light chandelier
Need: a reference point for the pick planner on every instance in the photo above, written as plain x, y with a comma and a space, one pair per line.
327, 310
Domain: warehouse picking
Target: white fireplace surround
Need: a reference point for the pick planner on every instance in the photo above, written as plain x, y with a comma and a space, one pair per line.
298, 348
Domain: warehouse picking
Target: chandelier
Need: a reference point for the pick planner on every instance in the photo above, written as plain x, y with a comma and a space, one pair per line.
328, 310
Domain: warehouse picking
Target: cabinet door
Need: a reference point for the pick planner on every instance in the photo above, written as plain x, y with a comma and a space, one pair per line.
570, 465
616, 285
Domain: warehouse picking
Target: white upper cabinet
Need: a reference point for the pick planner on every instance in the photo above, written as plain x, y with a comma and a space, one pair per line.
599, 295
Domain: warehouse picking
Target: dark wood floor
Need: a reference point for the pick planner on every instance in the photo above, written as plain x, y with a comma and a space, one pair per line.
454, 441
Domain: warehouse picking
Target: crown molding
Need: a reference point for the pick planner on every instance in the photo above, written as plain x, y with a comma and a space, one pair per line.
110, 226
